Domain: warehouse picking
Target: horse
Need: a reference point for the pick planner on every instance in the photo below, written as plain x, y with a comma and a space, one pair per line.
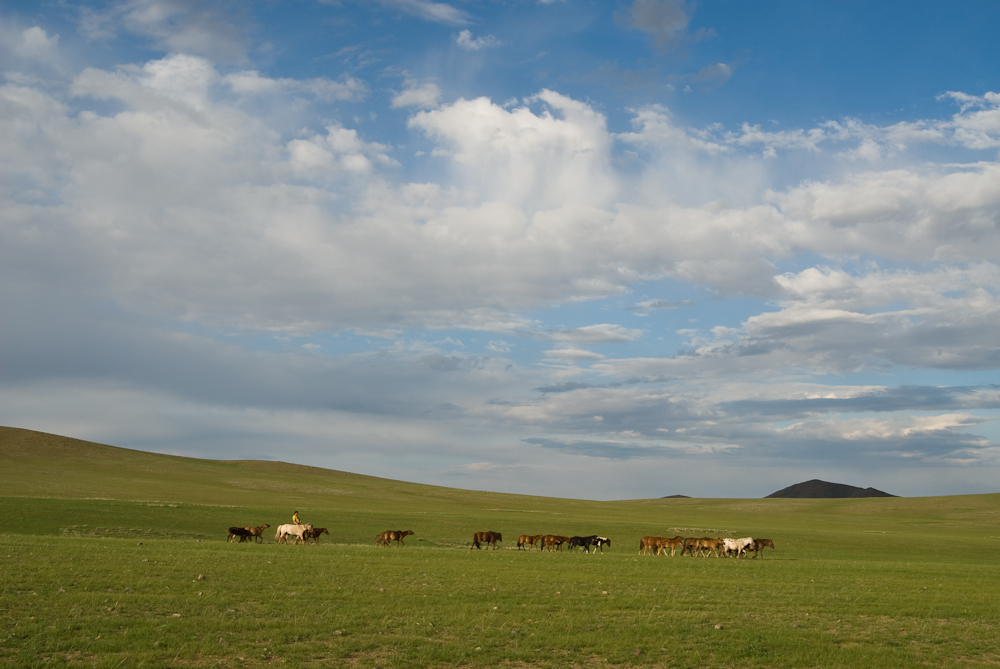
694, 546
758, 547
550, 540
285, 531
488, 538
258, 532
739, 546
242, 532
528, 540
389, 536
314, 534
710, 545
646, 543
663, 543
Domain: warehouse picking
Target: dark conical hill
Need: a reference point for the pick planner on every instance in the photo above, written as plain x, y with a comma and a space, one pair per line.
816, 489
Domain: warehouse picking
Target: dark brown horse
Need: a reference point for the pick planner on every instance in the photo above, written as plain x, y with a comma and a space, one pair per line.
758, 547
488, 538
314, 534
242, 532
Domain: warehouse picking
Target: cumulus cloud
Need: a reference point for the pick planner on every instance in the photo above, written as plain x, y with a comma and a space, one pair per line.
555, 158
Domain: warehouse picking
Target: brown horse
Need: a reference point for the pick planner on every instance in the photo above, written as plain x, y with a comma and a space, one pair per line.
694, 546
647, 543
258, 532
488, 538
528, 540
663, 543
689, 546
314, 534
550, 540
710, 545
389, 536
758, 547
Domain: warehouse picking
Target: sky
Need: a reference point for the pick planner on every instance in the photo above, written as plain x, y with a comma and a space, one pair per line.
598, 250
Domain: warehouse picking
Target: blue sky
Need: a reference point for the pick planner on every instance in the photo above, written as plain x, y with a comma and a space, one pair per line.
603, 250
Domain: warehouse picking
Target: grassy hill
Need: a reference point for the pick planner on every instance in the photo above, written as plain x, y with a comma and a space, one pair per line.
125, 492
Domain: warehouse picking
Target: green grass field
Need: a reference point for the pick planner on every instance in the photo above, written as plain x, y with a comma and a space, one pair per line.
116, 558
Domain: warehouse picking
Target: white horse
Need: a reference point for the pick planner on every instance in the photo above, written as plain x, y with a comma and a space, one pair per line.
738, 546
285, 531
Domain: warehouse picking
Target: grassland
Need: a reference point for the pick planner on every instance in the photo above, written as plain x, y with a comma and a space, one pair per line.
112, 557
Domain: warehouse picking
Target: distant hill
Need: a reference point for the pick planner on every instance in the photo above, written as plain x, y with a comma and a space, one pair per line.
676, 497
817, 489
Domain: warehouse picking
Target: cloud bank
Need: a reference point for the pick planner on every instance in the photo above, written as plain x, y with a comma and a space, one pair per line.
192, 273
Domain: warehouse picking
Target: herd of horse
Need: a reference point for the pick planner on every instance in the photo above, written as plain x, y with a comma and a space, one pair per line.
705, 546
556, 541
693, 546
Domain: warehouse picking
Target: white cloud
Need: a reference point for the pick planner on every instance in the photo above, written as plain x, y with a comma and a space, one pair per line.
470, 43
976, 130
424, 96
523, 158
902, 214
324, 156
437, 12
655, 127
34, 42
573, 355
252, 83
176, 80
603, 333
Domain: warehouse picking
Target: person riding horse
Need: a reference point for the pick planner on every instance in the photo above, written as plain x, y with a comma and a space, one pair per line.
295, 518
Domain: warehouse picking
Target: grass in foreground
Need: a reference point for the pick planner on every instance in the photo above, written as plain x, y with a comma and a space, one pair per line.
113, 602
